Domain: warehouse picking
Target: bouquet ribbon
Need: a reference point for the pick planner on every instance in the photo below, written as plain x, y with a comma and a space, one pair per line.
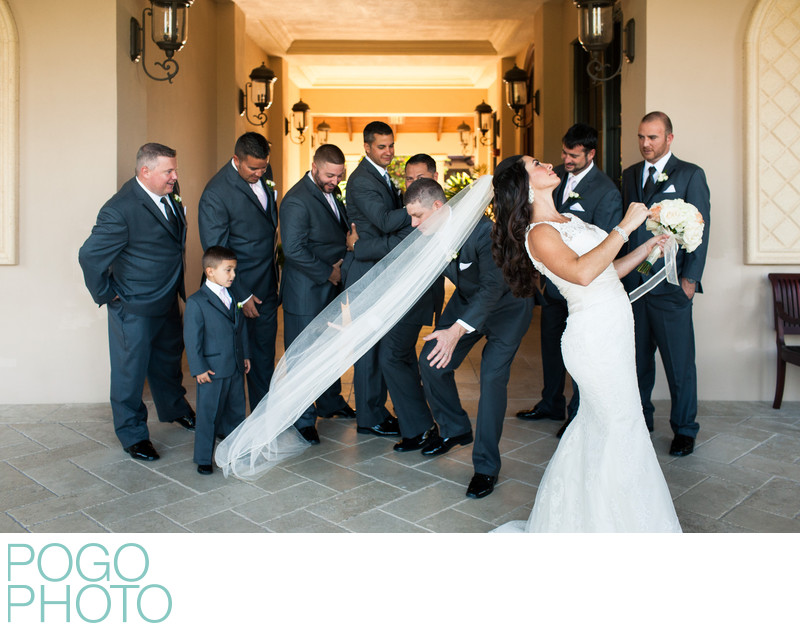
669, 271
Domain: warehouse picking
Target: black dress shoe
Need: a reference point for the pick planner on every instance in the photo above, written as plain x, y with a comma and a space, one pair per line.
185, 421
143, 450
537, 414
310, 434
438, 445
345, 412
681, 445
389, 427
481, 485
205, 469
563, 429
417, 442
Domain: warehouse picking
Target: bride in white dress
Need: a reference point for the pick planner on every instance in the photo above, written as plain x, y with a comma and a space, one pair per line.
604, 476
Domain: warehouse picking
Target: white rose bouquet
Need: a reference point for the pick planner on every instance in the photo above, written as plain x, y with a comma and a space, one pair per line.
678, 219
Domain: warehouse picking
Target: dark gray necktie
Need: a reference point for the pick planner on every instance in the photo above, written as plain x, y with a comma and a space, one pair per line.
650, 184
171, 218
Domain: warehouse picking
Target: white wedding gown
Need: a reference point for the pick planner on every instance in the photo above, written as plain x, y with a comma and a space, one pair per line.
604, 476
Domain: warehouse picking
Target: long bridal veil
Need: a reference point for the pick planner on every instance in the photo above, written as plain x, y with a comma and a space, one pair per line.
345, 330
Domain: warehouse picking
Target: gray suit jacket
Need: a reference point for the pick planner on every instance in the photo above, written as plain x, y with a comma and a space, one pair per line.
215, 337
230, 215
684, 181
135, 253
382, 223
313, 240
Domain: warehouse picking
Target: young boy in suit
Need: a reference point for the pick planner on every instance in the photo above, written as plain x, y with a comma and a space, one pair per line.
215, 336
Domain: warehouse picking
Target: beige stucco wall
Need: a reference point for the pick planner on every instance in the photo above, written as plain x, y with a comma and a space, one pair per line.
74, 156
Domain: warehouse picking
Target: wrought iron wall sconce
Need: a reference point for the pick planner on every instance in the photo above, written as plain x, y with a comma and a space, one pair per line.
169, 23
596, 31
323, 129
485, 122
299, 122
518, 95
260, 89
464, 135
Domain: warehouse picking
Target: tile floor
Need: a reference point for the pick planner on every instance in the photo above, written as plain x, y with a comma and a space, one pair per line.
63, 470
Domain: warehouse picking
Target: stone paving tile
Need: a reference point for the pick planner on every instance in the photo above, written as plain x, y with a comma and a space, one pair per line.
681, 480
27, 412
9, 526
778, 496
23, 447
128, 475
138, 503
146, 522
367, 447
405, 478
226, 521
285, 501
746, 516
712, 498
694, 522
100, 431
73, 522
185, 472
43, 458
61, 477
277, 479
347, 505
201, 506
52, 507
50, 434
506, 497
72, 412
538, 452
448, 469
745, 476
779, 447
724, 448
302, 521
23, 495
452, 520
415, 507
343, 432
767, 465
521, 471
329, 474
773, 425
377, 521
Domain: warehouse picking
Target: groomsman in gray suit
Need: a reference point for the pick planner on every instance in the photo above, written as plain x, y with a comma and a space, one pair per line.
238, 211
375, 206
133, 263
481, 306
589, 194
314, 233
663, 317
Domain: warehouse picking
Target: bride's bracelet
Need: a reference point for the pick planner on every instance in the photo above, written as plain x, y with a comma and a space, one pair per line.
621, 233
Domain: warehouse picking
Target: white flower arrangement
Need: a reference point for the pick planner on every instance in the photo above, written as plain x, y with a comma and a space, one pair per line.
269, 184
574, 195
662, 177
677, 218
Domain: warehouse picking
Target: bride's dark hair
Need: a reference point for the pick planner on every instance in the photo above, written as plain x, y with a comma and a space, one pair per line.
512, 213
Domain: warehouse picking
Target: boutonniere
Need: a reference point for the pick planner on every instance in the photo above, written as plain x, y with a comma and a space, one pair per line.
239, 306
662, 177
574, 195
454, 255
177, 198
269, 184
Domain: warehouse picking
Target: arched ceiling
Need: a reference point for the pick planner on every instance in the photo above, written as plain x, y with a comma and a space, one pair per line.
391, 43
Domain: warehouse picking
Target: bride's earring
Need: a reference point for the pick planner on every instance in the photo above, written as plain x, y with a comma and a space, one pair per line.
530, 194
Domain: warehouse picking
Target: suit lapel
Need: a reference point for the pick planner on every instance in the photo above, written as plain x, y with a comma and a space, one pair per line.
216, 302
150, 205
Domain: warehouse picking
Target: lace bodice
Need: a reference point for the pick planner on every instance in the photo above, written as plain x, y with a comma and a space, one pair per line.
580, 237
